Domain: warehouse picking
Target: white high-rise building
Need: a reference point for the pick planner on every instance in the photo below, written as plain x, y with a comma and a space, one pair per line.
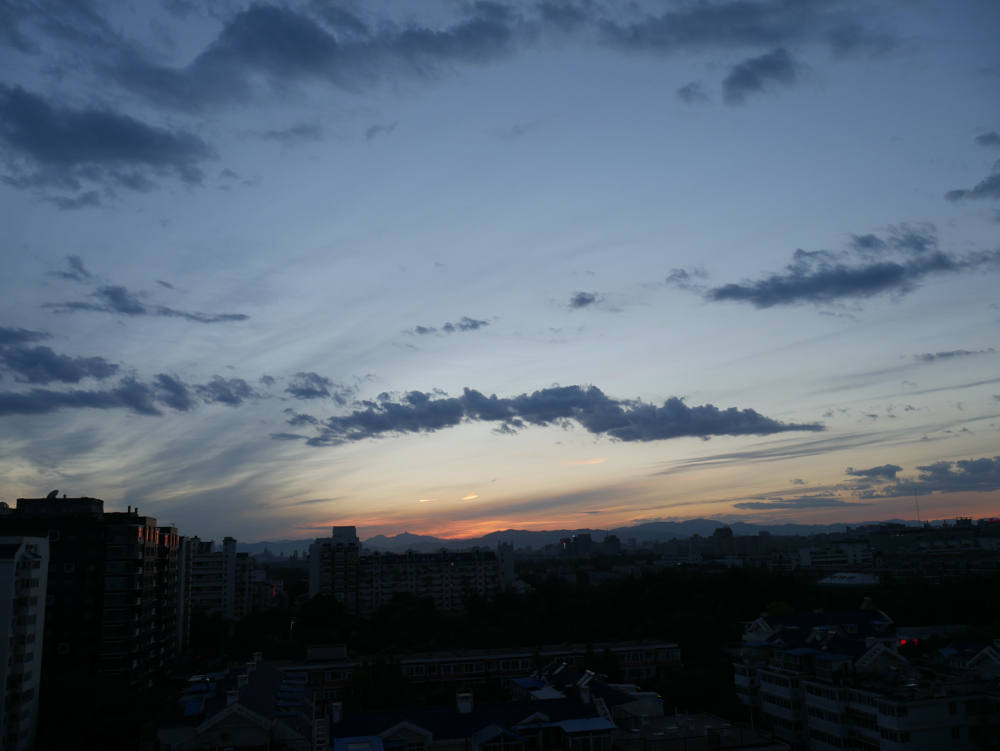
24, 568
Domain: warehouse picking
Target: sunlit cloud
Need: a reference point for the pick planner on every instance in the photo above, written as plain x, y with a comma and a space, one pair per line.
424, 500
470, 497
584, 462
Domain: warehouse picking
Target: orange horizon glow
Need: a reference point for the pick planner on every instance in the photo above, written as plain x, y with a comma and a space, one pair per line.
934, 507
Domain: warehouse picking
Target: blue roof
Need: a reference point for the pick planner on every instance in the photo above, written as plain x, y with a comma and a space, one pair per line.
358, 743
528, 682
584, 725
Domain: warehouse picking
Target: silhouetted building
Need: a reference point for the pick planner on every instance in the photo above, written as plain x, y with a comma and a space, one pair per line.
250, 707
109, 611
363, 583
24, 568
334, 567
217, 581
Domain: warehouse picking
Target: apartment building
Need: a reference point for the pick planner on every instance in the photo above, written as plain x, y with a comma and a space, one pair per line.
825, 681
24, 568
109, 616
364, 583
330, 670
217, 580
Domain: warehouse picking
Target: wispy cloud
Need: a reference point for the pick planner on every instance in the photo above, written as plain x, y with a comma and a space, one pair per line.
825, 277
951, 354
465, 323
799, 502
119, 300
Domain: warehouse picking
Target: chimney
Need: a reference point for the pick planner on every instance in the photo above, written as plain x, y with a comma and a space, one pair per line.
242, 679
258, 656
585, 694
232, 696
463, 701
336, 712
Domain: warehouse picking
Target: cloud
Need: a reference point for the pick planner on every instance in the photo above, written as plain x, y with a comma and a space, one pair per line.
589, 407
686, 279
379, 129
48, 145
884, 471
75, 270
10, 336
733, 24
583, 300
341, 20
977, 475
951, 354
43, 365
308, 385
119, 300
988, 139
265, 47
129, 394
692, 93
229, 391
85, 200
895, 264
850, 39
988, 187
295, 135
72, 21
299, 418
463, 324
757, 74
285, 45
173, 392
801, 502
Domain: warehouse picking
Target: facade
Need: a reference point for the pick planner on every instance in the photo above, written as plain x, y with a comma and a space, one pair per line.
334, 567
252, 707
109, 615
825, 681
24, 568
364, 583
330, 670
216, 581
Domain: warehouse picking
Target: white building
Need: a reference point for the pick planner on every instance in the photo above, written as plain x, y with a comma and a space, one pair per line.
213, 580
24, 568
826, 681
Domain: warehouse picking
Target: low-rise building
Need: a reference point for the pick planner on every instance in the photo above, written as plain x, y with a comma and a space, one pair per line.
251, 707
825, 681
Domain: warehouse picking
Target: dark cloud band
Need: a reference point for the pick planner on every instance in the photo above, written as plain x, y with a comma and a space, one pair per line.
589, 407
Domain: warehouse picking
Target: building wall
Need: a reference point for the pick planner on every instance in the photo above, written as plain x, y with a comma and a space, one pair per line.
215, 581
24, 565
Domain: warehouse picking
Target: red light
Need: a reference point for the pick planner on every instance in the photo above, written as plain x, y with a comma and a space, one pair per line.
902, 641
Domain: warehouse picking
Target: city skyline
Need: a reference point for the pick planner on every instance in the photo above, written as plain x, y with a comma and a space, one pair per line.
270, 267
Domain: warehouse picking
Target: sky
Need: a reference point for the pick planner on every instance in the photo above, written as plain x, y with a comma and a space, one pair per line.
451, 267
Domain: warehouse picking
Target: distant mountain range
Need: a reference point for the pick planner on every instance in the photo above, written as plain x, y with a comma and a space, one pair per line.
522, 538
